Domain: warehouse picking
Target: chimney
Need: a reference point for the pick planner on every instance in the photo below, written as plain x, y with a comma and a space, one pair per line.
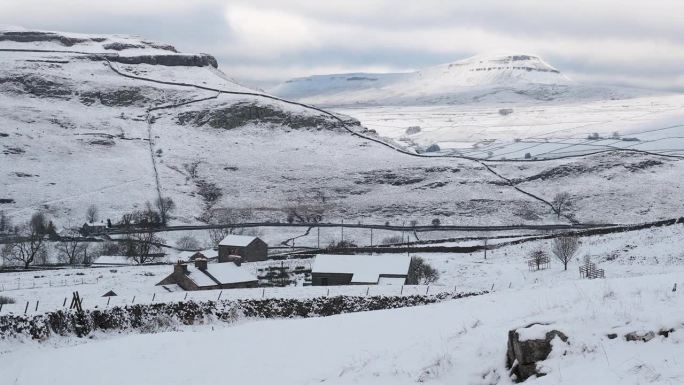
236, 259
180, 268
201, 263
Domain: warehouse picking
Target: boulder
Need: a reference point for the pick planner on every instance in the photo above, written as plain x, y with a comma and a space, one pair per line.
640, 336
527, 346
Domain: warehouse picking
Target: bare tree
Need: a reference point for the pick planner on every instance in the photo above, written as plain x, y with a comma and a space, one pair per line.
71, 248
560, 203
28, 245
564, 248
539, 258
91, 214
187, 242
143, 247
421, 273
164, 207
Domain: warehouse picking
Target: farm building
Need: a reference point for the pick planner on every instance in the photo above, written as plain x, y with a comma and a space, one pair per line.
188, 256
329, 269
250, 248
201, 275
92, 227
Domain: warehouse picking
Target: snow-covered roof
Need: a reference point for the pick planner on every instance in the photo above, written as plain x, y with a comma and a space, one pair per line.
237, 240
391, 281
364, 268
184, 256
114, 260
220, 273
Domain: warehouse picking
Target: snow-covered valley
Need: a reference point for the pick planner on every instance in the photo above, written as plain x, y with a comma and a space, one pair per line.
114, 122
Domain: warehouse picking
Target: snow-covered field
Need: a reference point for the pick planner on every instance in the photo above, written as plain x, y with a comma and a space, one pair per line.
652, 251
544, 131
460, 341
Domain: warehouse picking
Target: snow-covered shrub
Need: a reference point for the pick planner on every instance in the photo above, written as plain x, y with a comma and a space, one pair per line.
6, 300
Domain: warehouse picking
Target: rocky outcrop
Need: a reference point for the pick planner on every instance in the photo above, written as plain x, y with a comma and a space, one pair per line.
241, 114
523, 352
37, 36
189, 60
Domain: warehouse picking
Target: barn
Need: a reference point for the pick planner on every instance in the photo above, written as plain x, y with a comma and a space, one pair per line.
250, 248
201, 275
387, 269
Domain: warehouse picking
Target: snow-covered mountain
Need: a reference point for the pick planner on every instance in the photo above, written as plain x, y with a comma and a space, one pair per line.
493, 77
116, 121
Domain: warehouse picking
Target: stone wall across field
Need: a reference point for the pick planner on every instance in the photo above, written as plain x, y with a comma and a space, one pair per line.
164, 316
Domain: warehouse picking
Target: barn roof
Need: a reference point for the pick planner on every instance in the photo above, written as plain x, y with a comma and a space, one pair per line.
237, 240
220, 274
364, 268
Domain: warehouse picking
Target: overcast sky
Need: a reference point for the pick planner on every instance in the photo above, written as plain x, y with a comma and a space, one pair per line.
599, 41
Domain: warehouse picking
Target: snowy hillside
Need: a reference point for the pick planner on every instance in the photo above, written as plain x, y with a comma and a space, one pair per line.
483, 78
91, 128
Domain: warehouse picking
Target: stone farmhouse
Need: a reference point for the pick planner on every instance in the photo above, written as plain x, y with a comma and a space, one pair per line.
250, 248
201, 275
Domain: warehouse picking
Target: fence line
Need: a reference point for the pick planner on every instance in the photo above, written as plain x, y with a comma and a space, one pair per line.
19, 284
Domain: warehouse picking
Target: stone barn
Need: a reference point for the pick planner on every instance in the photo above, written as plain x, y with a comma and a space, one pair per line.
388, 269
250, 248
201, 275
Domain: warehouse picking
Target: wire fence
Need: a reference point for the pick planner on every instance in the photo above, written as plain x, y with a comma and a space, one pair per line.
53, 303
22, 284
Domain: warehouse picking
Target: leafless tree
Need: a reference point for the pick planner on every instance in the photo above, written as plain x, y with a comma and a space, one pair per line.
91, 214
564, 248
539, 258
143, 247
187, 242
28, 245
71, 248
421, 273
560, 203
164, 207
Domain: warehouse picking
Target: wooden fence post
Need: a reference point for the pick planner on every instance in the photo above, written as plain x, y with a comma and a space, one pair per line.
26, 308
133, 301
37, 302
64, 304
402, 290
427, 290
219, 297
367, 290
153, 295
108, 298
263, 292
